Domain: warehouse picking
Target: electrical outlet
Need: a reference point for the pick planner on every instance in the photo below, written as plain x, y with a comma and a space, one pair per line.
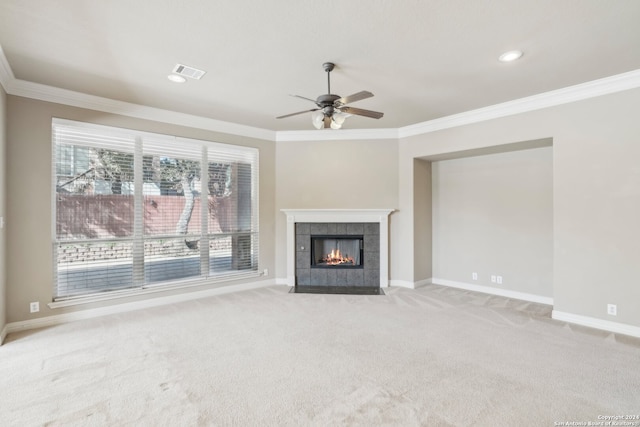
493, 279
474, 276
34, 307
265, 272
612, 309
499, 280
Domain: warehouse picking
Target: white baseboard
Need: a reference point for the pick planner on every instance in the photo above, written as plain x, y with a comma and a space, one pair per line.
592, 322
130, 306
422, 282
402, 283
281, 281
494, 291
3, 334
409, 284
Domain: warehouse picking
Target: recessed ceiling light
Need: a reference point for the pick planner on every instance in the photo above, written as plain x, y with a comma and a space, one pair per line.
176, 78
512, 55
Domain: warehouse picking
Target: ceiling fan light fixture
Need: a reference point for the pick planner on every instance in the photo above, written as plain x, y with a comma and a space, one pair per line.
338, 119
317, 118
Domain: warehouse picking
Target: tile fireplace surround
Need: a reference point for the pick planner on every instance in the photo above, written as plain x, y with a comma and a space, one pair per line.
300, 216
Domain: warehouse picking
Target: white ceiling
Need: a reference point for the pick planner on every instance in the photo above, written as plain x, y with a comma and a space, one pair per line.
423, 59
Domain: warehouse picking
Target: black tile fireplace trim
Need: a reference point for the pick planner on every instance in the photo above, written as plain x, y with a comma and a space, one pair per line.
367, 276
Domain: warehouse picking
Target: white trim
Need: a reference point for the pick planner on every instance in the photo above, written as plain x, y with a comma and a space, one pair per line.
336, 135
409, 284
380, 216
423, 282
3, 334
131, 306
592, 322
76, 99
282, 281
494, 291
592, 89
402, 284
337, 215
148, 289
6, 73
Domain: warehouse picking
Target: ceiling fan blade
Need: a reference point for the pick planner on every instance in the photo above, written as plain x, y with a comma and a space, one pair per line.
355, 97
327, 122
295, 114
302, 97
361, 112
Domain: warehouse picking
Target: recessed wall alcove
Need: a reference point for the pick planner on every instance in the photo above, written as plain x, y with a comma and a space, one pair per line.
483, 219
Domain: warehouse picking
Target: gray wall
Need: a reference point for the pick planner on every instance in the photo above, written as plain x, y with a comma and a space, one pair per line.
493, 215
422, 222
3, 212
333, 175
596, 196
29, 263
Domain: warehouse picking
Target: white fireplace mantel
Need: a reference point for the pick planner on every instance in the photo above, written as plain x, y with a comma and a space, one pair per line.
380, 216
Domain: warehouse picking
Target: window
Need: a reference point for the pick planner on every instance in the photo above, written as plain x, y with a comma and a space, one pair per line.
134, 209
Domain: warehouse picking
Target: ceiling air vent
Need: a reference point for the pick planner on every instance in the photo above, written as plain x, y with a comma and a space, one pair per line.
186, 71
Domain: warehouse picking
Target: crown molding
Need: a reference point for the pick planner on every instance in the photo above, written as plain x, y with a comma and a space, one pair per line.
76, 99
604, 86
336, 135
6, 73
17, 87
592, 89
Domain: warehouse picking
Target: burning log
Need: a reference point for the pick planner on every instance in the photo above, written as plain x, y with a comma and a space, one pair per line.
336, 258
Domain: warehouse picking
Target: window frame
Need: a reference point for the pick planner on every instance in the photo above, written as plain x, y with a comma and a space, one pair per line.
172, 144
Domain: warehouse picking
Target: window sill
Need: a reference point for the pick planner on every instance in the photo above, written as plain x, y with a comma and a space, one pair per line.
148, 289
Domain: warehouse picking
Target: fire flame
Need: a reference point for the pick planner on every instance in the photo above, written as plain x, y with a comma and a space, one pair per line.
336, 258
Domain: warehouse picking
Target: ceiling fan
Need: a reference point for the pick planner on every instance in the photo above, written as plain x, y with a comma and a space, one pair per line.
332, 109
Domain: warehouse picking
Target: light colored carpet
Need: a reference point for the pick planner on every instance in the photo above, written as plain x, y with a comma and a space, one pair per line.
430, 356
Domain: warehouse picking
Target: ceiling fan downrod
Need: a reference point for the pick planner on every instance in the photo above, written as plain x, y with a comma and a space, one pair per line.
328, 67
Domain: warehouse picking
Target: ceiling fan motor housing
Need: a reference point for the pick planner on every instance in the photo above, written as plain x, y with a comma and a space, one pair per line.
327, 103
326, 100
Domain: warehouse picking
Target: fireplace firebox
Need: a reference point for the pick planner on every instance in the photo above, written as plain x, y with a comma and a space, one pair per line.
337, 251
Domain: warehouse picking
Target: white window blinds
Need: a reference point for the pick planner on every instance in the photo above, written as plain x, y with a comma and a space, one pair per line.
135, 209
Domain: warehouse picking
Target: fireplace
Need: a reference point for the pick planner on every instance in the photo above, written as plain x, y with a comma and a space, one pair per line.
337, 254
337, 251
369, 227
